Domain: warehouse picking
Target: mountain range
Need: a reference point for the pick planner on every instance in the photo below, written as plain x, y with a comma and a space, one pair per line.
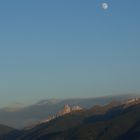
26, 116
114, 121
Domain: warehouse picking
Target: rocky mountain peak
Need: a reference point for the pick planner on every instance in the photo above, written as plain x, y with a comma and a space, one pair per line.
65, 110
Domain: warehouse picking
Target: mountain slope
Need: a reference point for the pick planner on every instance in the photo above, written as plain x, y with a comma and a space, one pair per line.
109, 122
8, 133
41, 110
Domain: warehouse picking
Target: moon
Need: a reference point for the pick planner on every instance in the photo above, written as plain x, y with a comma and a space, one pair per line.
104, 6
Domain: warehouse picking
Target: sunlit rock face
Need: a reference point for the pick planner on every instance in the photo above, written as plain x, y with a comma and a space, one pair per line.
66, 109
132, 100
76, 108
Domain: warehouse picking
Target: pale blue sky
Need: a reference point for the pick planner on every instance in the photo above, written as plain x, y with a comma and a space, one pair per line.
61, 49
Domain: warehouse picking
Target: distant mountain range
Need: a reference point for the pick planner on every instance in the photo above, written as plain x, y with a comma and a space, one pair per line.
117, 120
22, 117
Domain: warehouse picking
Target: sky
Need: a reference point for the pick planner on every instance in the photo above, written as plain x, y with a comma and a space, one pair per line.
68, 49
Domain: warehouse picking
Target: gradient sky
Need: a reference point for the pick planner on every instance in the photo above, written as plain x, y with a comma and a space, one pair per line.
68, 48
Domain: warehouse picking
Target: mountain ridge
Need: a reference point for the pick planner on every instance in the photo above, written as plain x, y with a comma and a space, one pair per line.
76, 125
28, 115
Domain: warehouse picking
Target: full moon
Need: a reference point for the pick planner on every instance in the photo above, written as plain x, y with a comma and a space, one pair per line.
105, 6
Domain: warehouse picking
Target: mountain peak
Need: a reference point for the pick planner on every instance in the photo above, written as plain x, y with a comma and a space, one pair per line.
67, 109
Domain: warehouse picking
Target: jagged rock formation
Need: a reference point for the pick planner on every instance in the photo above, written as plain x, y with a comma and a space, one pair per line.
67, 109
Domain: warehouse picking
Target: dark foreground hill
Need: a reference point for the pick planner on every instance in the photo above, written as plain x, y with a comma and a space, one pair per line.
110, 122
8, 133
